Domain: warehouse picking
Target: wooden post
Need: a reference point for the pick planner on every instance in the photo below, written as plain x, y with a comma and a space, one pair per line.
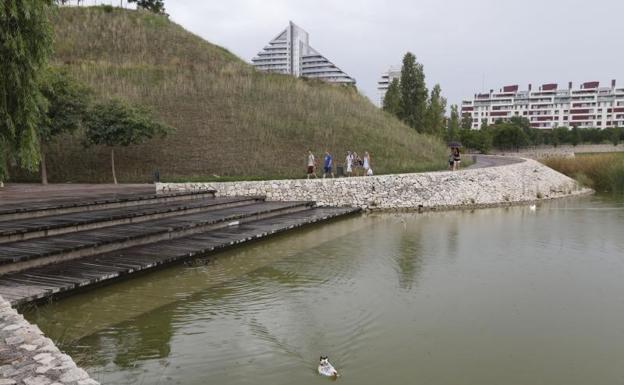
44, 171
113, 164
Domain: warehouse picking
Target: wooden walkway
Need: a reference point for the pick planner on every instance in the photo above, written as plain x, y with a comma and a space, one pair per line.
29, 228
42, 282
25, 193
54, 246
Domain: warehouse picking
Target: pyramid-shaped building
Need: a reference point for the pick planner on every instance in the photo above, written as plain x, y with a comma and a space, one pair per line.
290, 53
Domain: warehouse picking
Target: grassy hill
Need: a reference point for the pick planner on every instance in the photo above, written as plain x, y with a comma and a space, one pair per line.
231, 120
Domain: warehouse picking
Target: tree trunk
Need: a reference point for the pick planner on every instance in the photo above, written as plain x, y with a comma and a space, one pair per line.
44, 171
113, 165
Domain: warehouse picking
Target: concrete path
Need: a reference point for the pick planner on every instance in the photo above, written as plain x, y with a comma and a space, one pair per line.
485, 161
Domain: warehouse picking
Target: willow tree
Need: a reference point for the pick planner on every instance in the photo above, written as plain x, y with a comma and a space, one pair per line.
25, 43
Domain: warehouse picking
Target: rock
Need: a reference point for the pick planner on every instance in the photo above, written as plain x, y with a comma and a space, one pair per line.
38, 380
75, 374
88, 381
29, 348
14, 340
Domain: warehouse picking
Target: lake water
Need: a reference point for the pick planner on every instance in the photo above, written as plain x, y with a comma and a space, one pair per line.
496, 296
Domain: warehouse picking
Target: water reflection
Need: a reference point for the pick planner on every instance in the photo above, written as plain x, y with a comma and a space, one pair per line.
494, 296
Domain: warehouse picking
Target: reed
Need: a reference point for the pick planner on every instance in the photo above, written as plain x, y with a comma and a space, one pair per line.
230, 120
602, 172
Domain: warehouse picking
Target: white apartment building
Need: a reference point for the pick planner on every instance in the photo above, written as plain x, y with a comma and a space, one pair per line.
290, 53
384, 82
589, 106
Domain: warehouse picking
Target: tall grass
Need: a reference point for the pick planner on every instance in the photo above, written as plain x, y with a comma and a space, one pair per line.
231, 120
602, 172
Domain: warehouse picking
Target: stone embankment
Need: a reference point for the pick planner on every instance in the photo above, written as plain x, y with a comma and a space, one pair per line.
519, 181
30, 358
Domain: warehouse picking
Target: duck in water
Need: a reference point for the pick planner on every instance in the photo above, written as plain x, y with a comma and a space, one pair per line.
326, 369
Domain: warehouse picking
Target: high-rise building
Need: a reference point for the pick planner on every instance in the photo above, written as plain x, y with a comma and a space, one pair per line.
589, 106
290, 53
384, 82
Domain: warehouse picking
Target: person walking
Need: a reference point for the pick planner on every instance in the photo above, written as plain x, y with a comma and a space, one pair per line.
366, 162
456, 158
311, 164
349, 163
328, 164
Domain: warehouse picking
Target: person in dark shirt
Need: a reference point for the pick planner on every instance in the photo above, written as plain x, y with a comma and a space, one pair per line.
328, 165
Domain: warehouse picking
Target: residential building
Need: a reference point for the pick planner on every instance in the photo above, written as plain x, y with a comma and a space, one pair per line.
384, 82
589, 106
290, 53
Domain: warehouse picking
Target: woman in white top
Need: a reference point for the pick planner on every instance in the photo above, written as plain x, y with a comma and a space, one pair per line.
367, 162
349, 162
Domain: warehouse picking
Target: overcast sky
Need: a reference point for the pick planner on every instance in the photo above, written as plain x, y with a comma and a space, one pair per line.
465, 46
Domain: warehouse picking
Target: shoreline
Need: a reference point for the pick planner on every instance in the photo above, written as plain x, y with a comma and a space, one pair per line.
499, 182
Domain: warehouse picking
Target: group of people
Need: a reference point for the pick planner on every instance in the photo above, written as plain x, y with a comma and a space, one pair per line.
353, 165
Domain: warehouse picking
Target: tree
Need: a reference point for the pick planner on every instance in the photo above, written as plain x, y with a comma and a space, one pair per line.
114, 123
392, 98
559, 135
614, 135
434, 117
575, 136
452, 131
466, 122
413, 93
509, 136
25, 43
67, 103
156, 6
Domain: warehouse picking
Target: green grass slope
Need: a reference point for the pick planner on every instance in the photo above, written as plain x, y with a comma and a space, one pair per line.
231, 120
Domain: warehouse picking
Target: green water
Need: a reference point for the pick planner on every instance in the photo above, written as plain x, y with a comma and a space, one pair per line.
497, 296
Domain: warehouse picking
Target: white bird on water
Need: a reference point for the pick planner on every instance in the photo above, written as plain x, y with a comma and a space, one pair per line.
532, 207
326, 369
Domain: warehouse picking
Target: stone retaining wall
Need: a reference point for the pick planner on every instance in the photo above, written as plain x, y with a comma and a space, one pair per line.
525, 181
28, 357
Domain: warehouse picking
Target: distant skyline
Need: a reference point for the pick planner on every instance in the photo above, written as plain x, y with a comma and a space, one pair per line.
466, 47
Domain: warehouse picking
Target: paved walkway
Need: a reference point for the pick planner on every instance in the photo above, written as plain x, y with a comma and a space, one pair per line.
485, 161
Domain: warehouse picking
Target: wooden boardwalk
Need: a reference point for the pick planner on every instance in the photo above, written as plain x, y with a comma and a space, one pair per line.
42, 282
97, 236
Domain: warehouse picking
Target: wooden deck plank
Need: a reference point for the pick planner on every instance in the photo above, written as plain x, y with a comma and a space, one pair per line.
70, 275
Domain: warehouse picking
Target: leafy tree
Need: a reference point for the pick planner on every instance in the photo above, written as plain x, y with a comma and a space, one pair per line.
67, 103
480, 140
452, 131
509, 136
413, 93
575, 136
114, 123
484, 124
466, 122
25, 43
434, 117
614, 135
156, 6
392, 98
559, 135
